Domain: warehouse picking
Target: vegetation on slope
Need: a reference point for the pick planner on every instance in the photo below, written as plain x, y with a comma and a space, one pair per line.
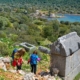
61, 6
18, 25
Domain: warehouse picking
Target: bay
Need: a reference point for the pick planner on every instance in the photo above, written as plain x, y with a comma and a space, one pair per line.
67, 17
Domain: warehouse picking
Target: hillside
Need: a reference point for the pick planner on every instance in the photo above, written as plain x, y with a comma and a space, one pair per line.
72, 3
61, 6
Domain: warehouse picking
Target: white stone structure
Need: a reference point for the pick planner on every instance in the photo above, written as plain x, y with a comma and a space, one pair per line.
52, 15
37, 12
65, 55
27, 46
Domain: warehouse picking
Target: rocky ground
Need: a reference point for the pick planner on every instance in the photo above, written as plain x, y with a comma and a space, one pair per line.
9, 73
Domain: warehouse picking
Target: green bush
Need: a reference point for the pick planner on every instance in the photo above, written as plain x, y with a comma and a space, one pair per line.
37, 22
77, 77
2, 78
13, 37
4, 22
4, 49
2, 34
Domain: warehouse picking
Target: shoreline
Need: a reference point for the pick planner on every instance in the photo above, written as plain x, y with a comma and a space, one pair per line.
68, 14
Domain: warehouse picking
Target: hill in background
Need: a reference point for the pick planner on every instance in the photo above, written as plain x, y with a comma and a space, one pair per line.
61, 6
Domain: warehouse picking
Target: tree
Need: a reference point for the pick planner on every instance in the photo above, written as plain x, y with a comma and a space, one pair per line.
75, 28
47, 31
3, 49
4, 22
56, 26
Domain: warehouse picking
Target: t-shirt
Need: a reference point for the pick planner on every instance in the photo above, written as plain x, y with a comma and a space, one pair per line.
33, 59
19, 61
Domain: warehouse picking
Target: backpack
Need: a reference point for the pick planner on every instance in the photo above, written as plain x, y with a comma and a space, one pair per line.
14, 51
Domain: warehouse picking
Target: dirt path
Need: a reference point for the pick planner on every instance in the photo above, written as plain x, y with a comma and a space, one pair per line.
10, 76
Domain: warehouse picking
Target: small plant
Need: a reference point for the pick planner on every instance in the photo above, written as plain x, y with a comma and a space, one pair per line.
77, 77
26, 67
2, 78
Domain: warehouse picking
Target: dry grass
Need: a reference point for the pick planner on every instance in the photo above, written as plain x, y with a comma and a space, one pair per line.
10, 76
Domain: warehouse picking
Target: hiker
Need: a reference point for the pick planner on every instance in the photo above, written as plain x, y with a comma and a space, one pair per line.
33, 61
17, 62
21, 53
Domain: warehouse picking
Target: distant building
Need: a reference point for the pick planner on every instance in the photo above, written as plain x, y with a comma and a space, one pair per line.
37, 12
52, 15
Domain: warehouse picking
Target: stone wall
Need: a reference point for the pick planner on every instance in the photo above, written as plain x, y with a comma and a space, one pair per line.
65, 55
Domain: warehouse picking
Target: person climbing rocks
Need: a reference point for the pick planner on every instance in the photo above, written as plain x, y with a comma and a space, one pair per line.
17, 62
33, 61
20, 53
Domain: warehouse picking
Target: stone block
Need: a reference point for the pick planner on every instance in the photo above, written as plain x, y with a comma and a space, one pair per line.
65, 55
44, 49
27, 46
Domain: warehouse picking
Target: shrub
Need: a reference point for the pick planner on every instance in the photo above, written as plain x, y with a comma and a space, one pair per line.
4, 49
14, 37
2, 34
2, 78
77, 77
37, 22
4, 22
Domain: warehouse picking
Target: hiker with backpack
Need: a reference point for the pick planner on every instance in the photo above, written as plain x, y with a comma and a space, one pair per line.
33, 61
20, 53
13, 62
17, 61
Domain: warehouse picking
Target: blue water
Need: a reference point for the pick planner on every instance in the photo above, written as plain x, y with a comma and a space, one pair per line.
68, 17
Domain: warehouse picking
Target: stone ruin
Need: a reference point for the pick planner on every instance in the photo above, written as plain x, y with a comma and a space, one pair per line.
27, 46
44, 49
65, 56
